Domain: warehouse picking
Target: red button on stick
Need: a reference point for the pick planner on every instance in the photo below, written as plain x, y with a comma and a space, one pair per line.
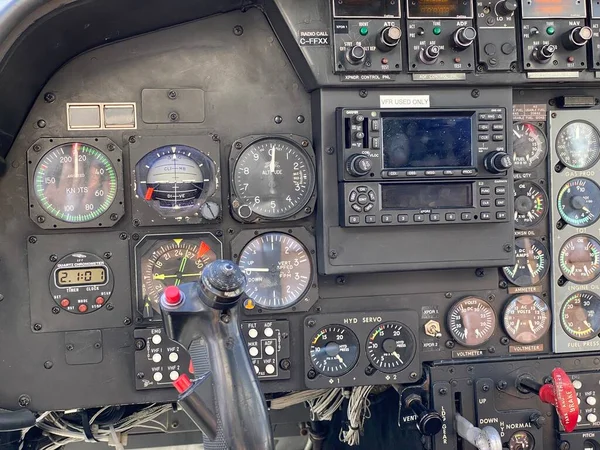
172, 295
82, 308
65, 302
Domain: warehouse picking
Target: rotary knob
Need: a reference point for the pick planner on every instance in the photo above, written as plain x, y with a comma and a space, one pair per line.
356, 55
429, 422
464, 37
543, 54
506, 7
497, 162
389, 38
430, 54
359, 165
577, 37
221, 285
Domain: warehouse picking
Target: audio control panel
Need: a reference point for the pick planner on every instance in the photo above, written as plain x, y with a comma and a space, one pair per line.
497, 40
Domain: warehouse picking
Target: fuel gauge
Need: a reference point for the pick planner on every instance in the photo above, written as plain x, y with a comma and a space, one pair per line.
530, 146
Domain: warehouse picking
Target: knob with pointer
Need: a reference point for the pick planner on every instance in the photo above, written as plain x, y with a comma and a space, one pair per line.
464, 37
356, 55
359, 165
429, 422
430, 54
389, 38
497, 162
544, 53
506, 7
577, 37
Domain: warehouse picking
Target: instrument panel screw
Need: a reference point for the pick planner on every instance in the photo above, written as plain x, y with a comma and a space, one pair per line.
278, 119
49, 97
450, 344
479, 273
132, 139
448, 295
138, 320
123, 236
37, 327
48, 365
300, 118
114, 217
485, 388
126, 321
443, 391
413, 375
55, 310
370, 370
475, 93
311, 323
305, 143
110, 306
548, 380
140, 344
41, 123
238, 30
554, 115
225, 318
363, 93
215, 137
140, 375
40, 219
173, 116
107, 255
560, 225
111, 147
238, 145
503, 284
2, 298
135, 237
333, 254
507, 248
491, 298
564, 445
285, 364
504, 340
172, 94
136, 222
70, 347
308, 210
340, 280
37, 148
97, 345
330, 150
24, 401
53, 258
219, 233
502, 385
32, 239
492, 349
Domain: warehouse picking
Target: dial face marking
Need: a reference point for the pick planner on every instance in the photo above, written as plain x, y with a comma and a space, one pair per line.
579, 202
75, 183
578, 145
390, 347
531, 263
527, 319
334, 350
579, 259
580, 315
278, 269
530, 146
274, 178
472, 321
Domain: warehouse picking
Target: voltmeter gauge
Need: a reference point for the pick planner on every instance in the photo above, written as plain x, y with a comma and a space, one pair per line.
472, 321
390, 347
273, 178
580, 315
75, 183
578, 145
279, 270
529, 145
531, 263
521, 440
531, 204
579, 259
579, 202
527, 319
334, 350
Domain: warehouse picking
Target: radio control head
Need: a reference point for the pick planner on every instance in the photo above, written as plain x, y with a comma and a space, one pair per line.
464, 37
356, 55
577, 37
429, 55
389, 38
497, 162
359, 165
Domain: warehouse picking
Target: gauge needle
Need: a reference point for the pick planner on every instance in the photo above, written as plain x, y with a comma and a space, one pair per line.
517, 134
256, 269
531, 326
272, 166
516, 267
586, 210
397, 357
339, 358
517, 325
162, 276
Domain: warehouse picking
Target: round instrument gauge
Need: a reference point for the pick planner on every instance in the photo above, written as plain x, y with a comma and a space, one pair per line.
75, 183
334, 350
531, 262
580, 315
81, 283
527, 319
390, 347
578, 145
175, 179
531, 204
530, 146
472, 321
579, 202
171, 261
273, 178
278, 268
521, 440
579, 259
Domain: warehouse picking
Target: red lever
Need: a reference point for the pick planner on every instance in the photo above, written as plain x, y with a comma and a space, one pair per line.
562, 395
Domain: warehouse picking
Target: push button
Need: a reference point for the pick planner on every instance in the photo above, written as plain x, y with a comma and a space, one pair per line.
448, 172
372, 196
375, 125
498, 137
370, 219
501, 190
486, 203
485, 190
369, 207
430, 173
450, 217
402, 218
483, 127
356, 208
375, 143
466, 216
387, 218
411, 173
485, 216
362, 199
419, 218
434, 217
362, 189
353, 220
498, 127
484, 137
352, 197
501, 215
500, 202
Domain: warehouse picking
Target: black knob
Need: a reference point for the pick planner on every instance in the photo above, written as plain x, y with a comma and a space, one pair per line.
577, 37
506, 7
356, 54
430, 54
222, 284
497, 162
359, 135
429, 422
543, 54
464, 37
359, 119
537, 419
359, 165
389, 38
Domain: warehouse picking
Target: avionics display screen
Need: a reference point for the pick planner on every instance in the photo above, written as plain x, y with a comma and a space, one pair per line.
80, 276
427, 196
422, 140
439, 8
366, 8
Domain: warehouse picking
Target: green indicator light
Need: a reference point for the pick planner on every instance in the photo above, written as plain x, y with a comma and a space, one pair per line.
550, 30
437, 30
364, 31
